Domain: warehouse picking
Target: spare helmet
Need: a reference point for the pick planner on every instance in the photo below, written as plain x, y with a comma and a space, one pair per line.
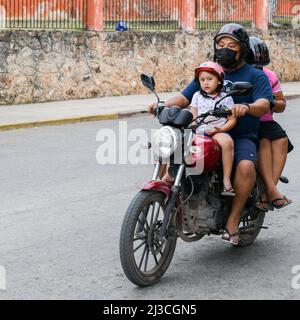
122, 26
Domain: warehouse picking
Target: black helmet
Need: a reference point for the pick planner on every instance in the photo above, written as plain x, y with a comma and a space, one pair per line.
236, 32
259, 54
233, 30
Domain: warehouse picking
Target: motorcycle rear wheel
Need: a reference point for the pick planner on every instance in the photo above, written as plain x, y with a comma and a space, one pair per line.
144, 257
256, 220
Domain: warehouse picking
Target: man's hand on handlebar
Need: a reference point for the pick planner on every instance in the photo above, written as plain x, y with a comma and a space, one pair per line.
239, 110
151, 108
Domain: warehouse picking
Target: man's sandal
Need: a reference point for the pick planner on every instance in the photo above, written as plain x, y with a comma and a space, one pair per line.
284, 198
232, 239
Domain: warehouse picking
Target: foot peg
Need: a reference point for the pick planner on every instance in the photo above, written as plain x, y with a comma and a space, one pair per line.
284, 179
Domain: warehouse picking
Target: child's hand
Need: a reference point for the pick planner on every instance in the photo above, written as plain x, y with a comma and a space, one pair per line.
214, 131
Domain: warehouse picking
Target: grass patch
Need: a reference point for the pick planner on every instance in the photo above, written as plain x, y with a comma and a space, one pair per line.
216, 25
170, 25
284, 22
42, 24
145, 25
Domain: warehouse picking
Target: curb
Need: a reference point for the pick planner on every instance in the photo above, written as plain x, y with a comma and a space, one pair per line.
112, 116
292, 97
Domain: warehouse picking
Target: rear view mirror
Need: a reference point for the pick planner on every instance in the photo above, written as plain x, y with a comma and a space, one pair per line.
240, 89
148, 81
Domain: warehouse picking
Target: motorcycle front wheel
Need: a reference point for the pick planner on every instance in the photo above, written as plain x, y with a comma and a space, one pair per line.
144, 256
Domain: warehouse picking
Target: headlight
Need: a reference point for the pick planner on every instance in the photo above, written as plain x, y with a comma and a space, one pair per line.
192, 151
165, 142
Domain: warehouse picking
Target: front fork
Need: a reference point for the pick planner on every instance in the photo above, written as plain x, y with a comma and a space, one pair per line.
160, 170
174, 190
171, 203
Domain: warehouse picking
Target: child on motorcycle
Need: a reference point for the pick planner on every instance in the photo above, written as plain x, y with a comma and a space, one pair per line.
210, 76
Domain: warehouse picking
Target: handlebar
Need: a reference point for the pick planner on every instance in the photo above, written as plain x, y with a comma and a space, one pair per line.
216, 113
159, 108
222, 113
219, 113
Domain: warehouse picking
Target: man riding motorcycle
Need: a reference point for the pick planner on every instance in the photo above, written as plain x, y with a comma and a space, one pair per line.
231, 46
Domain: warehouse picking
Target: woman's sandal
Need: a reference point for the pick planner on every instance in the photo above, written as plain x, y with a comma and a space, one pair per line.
264, 206
286, 202
233, 239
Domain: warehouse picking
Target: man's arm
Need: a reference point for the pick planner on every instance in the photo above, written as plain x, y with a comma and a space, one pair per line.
256, 109
182, 99
262, 96
178, 100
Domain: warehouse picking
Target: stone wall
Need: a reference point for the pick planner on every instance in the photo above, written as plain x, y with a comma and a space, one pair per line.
37, 66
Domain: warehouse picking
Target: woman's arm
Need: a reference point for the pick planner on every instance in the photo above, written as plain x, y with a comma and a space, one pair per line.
279, 102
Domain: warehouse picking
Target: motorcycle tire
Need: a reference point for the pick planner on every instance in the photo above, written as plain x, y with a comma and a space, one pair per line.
248, 238
140, 227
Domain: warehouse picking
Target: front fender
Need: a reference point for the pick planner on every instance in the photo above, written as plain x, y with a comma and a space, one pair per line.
157, 185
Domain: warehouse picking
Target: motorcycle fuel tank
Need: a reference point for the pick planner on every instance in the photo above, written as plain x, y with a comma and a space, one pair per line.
207, 152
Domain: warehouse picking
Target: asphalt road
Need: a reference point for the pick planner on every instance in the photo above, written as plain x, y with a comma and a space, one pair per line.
61, 214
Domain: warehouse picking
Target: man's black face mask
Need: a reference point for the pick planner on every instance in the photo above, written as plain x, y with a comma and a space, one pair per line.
226, 57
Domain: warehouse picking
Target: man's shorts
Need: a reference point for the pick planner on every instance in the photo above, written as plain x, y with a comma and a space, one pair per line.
244, 149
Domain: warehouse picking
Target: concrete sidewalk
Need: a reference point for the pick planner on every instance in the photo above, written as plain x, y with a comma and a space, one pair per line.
71, 111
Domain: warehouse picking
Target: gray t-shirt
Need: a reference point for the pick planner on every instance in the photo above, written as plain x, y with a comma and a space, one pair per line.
204, 104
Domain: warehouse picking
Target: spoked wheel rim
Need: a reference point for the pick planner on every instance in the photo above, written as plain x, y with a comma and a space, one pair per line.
144, 256
249, 221
250, 226
148, 249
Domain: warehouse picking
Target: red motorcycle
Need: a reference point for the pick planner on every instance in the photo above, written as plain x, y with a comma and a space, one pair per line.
193, 206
